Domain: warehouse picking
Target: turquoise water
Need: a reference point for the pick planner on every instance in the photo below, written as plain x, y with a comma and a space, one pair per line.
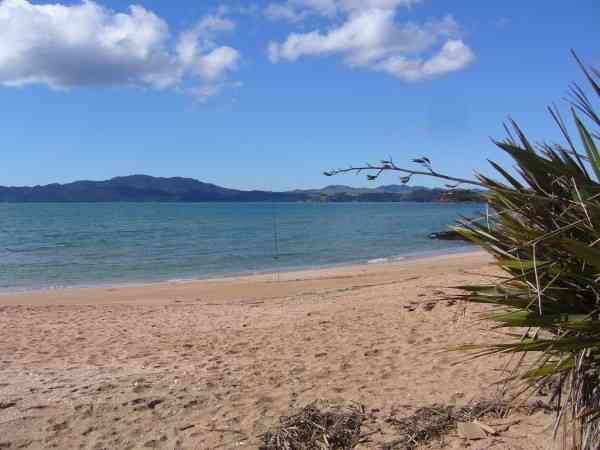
62, 245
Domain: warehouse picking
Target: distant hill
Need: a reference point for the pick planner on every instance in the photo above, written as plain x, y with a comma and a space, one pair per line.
145, 188
337, 189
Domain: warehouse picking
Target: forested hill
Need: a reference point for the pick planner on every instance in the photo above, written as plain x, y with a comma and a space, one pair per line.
145, 188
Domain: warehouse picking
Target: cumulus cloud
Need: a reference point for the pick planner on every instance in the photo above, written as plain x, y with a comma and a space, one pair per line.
297, 10
454, 55
370, 37
381, 4
85, 44
198, 51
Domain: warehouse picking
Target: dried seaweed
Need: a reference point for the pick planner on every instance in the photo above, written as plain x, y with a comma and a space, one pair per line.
426, 424
323, 427
318, 428
433, 422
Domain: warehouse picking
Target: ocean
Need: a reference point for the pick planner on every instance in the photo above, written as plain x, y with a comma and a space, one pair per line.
55, 245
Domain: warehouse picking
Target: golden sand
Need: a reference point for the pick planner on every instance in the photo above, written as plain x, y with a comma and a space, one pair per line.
214, 363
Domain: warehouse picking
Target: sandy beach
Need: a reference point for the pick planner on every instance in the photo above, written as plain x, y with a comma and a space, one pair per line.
214, 364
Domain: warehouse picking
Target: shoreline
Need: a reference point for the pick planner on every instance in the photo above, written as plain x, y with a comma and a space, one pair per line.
281, 283
413, 256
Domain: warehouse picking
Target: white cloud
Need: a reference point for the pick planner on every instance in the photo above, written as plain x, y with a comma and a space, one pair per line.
213, 65
66, 46
454, 55
297, 10
197, 50
285, 11
350, 5
370, 37
365, 36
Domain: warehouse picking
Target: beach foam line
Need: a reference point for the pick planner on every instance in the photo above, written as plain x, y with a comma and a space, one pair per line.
385, 260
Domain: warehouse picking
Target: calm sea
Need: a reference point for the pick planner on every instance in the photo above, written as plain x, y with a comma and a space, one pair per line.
61, 245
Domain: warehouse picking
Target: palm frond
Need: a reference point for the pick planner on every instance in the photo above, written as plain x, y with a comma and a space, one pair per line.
546, 237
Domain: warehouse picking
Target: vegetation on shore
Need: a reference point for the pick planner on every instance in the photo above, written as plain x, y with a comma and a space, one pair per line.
544, 234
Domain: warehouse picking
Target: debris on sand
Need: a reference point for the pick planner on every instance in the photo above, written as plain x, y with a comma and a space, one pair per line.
426, 424
319, 426
433, 422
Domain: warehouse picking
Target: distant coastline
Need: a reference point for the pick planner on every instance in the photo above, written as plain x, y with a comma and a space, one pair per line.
145, 188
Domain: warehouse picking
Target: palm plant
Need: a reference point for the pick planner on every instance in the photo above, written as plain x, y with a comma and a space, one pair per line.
545, 237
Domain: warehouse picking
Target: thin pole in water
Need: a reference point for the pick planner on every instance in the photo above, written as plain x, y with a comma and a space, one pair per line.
275, 241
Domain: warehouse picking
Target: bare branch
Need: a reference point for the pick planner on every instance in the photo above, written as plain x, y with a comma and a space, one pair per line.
389, 166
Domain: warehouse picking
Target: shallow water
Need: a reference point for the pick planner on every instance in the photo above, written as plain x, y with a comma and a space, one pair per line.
47, 245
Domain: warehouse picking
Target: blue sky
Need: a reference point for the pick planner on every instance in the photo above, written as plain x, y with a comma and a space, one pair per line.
266, 95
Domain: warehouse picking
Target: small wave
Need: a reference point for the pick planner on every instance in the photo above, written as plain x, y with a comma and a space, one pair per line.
180, 280
386, 260
378, 260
